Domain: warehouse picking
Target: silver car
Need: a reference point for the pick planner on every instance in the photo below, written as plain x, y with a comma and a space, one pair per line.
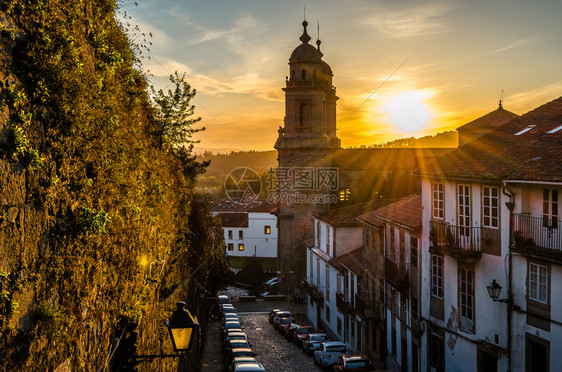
328, 353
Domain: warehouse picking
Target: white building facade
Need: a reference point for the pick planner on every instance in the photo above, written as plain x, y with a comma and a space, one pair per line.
490, 217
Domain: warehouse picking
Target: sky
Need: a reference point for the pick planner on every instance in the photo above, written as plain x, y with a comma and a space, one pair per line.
444, 62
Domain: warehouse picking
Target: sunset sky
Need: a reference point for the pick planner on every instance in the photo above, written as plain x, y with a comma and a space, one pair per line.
454, 58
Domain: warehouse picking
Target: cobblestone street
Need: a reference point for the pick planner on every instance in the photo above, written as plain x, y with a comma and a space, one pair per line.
275, 352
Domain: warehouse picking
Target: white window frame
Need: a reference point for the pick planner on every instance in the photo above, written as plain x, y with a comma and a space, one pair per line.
550, 208
490, 207
466, 299
538, 282
437, 271
438, 200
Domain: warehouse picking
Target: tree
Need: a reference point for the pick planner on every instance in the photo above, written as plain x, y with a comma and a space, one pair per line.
174, 114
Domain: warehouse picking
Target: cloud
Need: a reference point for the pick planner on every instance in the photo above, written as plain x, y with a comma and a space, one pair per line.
514, 44
414, 21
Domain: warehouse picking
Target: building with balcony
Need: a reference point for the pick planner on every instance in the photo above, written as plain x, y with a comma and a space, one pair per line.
334, 270
491, 215
392, 236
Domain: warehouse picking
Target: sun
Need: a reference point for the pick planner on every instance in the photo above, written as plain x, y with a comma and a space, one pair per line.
407, 112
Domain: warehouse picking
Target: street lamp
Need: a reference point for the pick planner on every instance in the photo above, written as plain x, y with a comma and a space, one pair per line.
494, 290
182, 327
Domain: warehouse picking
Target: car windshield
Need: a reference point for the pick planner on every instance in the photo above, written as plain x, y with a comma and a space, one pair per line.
358, 364
286, 321
243, 353
318, 338
302, 331
335, 349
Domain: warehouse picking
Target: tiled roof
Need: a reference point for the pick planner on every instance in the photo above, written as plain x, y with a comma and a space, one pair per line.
236, 219
351, 260
347, 216
406, 212
534, 155
491, 120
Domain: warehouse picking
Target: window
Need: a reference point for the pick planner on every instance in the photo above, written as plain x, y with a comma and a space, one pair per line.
345, 194
403, 306
311, 268
538, 282
414, 308
438, 200
230, 246
490, 206
317, 234
229, 234
466, 297
267, 230
328, 314
437, 276
240, 247
339, 326
317, 271
240, 235
327, 282
328, 239
413, 251
463, 210
367, 237
352, 327
550, 208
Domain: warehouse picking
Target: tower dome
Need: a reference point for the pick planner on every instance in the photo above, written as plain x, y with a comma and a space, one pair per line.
306, 53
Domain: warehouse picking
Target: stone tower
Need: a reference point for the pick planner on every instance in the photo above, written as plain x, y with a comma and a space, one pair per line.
305, 146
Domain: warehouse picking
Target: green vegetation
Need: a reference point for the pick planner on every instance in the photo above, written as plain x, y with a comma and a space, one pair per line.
241, 262
114, 233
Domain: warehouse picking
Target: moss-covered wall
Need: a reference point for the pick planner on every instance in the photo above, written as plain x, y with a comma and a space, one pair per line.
99, 228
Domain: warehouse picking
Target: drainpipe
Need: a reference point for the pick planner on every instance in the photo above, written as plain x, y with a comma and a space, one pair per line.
510, 205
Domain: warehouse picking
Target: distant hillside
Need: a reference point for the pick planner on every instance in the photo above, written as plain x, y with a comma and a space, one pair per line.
445, 139
222, 164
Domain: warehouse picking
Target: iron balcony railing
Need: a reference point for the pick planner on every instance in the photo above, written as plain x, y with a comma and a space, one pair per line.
309, 83
303, 129
396, 273
367, 307
541, 235
459, 242
343, 304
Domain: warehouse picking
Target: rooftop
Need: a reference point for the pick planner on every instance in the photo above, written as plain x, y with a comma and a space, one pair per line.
234, 219
406, 212
527, 148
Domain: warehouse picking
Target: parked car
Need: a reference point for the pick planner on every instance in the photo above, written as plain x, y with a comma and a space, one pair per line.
272, 313
231, 326
280, 315
235, 336
327, 354
242, 359
288, 332
226, 332
284, 323
247, 367
228, 310
312, 341
353, 363
299, 335
238, 353
222, 299
236, 344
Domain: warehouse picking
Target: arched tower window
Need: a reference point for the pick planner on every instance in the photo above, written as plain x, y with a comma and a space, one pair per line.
303, 74
304, 118
293, 73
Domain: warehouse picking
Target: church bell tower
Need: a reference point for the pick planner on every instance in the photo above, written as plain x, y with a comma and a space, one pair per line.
305, 144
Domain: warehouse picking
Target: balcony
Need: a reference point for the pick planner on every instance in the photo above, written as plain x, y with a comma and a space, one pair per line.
314, 291
316, 83
459, 242
538, 236
396, 273
344, 306
367, 307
